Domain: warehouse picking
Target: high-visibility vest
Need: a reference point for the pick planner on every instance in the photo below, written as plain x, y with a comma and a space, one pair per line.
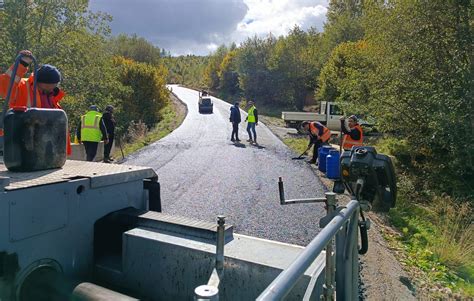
315, 131
348, 142
251, 116
90, 127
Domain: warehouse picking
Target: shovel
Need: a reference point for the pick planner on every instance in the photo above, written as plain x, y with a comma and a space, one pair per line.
302, 156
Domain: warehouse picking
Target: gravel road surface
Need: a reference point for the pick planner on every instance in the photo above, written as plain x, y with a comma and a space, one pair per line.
203, 174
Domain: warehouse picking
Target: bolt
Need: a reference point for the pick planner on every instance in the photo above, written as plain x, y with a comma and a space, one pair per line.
221, 220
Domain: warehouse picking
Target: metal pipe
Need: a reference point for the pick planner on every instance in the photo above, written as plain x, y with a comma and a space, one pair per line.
328, 289
295, 201
220, 243
287, 279
90, 292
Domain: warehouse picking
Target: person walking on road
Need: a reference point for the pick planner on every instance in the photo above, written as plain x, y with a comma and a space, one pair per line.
91, 131
353, 134
318, 135
235, 118
252, 121
109, 122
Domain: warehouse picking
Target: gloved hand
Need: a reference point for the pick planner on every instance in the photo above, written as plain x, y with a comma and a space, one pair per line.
26, 56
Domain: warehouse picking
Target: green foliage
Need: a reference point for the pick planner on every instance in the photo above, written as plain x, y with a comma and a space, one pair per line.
186, 70
149, 91
345, 77
135, 48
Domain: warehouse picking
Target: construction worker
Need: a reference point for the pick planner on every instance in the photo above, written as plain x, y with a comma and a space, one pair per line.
235, 118
91, 131
109, 122
352, 135
318, 135
252, 121
48, 93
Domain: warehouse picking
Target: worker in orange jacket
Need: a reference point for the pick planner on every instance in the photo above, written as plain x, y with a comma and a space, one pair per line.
353, 135
318, 136
48, 94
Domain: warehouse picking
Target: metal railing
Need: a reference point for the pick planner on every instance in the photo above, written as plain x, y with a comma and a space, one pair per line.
341, 268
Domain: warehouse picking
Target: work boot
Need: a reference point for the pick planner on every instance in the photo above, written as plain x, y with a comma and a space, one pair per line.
106, 160
249, 140
232, 139
312, 161
238, 140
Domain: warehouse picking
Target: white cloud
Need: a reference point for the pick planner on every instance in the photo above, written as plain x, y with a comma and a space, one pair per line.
279, 16
199, 26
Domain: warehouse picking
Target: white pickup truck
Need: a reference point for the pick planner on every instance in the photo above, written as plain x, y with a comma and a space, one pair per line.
329, 114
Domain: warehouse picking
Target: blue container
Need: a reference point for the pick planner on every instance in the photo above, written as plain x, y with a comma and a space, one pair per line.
323, 152
332, 165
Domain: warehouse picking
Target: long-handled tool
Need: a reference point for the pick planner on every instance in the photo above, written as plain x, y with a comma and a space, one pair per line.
339, 186
300, 157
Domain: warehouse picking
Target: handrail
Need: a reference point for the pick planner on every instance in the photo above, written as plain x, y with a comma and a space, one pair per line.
287, 279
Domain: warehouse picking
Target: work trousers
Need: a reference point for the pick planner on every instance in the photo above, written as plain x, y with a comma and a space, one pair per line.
108, 146
235, 131
317, 145
251, 127
91, 149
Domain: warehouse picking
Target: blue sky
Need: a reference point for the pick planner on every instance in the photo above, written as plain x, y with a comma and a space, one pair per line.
199, 26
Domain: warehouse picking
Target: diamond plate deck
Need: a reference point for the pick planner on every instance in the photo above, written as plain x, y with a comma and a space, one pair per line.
100, 174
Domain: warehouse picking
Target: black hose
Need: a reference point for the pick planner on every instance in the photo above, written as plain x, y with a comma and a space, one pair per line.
364, 238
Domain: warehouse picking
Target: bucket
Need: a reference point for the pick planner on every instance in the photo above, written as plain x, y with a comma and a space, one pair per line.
323, 152
332, 164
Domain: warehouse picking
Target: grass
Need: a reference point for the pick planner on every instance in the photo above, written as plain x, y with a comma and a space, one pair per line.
435, 233
170, 121
299, 145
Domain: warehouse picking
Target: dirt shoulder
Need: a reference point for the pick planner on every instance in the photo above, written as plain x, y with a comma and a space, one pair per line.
382, 275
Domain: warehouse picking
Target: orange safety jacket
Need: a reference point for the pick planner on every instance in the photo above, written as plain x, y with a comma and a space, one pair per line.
315, 132
348, 142
22, 93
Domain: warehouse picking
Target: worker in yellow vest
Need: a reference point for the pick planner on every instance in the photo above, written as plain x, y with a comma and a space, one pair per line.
252, 121
352, 134
91, 131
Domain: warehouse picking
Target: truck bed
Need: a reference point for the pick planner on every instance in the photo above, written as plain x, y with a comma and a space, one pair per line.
302, 116
100, 174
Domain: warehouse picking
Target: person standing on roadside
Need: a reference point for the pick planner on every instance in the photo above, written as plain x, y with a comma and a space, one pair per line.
109, 122
91, 131
352, 135
318, 135
235, 118
252, 121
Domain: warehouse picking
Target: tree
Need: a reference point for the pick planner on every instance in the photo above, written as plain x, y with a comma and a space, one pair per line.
228, 76
422, 86
136, 48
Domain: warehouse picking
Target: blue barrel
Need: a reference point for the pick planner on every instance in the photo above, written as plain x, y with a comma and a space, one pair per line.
332, 164
323, 152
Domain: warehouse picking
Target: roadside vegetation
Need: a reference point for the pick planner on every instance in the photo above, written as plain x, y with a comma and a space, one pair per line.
138, 135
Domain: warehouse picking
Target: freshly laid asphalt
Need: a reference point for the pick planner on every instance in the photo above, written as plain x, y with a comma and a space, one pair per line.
203, 174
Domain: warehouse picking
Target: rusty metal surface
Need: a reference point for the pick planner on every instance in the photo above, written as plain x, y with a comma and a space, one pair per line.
100, 174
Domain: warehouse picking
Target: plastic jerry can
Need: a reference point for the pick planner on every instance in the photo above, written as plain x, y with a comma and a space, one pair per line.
332, 165
34, 139
323, 152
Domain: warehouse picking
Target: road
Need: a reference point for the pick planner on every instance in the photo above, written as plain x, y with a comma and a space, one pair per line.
203, 174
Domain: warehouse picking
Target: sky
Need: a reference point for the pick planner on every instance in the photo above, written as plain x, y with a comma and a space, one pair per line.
200, 26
